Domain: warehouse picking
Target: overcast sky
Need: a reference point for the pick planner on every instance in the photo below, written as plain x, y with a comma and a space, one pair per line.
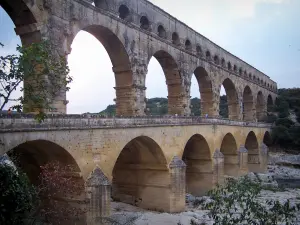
264, 33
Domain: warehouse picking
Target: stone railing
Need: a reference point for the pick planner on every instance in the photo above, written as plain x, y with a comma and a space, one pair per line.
21, 122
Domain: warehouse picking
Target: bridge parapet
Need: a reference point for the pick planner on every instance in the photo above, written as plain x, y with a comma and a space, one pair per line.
70, 122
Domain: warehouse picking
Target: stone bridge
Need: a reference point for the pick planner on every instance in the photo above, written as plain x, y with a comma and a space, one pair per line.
149, 161
134, 31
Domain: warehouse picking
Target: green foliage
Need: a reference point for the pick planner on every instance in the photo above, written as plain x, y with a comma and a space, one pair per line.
223, 107
125, 220
45, 73
17, 196
286, 132
236, 203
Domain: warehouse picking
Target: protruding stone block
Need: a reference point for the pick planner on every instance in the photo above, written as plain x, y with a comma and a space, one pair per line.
263, 157
243, 160
177, 180
98, 194
218, 167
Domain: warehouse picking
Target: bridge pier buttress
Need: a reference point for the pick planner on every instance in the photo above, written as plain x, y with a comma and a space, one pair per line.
243, 161
98, 190
263, 157
218, 168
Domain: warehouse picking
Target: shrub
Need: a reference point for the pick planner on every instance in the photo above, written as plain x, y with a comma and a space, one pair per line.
236, 203
17, 195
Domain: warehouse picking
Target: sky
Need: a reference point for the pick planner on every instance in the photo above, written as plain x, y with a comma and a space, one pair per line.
264, 33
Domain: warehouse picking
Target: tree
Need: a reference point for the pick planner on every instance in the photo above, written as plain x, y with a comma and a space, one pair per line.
56, 190
45, 73
17, 195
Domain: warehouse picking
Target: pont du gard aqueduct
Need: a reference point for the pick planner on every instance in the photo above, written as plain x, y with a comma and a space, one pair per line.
151, 162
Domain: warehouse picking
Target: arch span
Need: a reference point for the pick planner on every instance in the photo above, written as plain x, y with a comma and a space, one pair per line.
31, 155
232, 99
230, 152
198, 162
173, 81
248, 104
267, 139
206, 91
141, 175
121, 67
252, 146
21, 15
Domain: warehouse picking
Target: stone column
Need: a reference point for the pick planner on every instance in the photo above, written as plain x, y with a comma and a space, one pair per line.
218, 167
243, 160
263, 157
98, 194
177, 181
130, 94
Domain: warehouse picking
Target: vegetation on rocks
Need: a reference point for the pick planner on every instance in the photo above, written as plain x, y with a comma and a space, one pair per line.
237, 203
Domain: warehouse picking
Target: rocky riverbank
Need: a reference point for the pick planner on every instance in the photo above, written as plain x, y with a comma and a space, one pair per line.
278, 183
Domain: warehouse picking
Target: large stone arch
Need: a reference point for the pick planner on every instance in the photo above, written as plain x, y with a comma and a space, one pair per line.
197, 157
248, 104
25, 16
141, 175
229, 149
251, 144
173, 80
31, 155
206, 91
232, 99
260, 107
121, 62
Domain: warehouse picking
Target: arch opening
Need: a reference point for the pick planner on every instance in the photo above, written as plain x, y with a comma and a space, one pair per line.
251, 145
216, 60
161, 32
231, 99
208, 55
230, 152
199, 50
260, 107
175, 39
32, 155
248, 105
267, 140
173, 80
198, 162
101, 4
45, 163
144, 23
188, 45
229, 66
270, 104
124, 12
100, 43
140, 173
203, 105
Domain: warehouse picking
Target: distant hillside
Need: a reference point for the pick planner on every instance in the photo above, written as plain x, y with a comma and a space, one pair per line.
286, 117
159, 106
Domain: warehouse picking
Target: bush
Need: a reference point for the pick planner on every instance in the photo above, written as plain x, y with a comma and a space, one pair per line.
17, 195
236, 203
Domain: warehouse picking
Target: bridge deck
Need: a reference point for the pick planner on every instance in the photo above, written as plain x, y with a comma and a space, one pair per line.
70, 122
